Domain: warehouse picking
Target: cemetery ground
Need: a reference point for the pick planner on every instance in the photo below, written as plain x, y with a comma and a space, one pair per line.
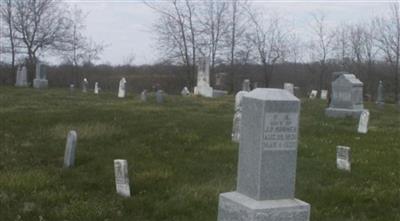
180, 157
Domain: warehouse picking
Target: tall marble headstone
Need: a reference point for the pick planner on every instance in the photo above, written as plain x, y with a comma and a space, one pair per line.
363, 122
122, 88
121, 177
85, 85
289, 87
203, 78
70, 148
346, 96
21, 77
267, 161
96, 88
324, 94
40, 80
380, 100
343, 158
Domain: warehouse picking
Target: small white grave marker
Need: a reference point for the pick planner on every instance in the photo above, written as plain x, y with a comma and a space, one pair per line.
324, 94
96, 88
343, 158
122, 88
121, 177
363, 123
313, 94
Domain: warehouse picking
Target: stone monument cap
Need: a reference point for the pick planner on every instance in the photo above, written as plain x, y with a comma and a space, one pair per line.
271, 94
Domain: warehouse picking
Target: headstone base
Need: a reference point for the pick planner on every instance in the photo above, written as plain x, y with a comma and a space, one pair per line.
341, 112
40, 83
219, 93
234, 206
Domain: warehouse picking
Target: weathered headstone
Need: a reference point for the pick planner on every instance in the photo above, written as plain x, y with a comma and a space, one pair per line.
122, 88
203, 78
121, 177
380, 100
363, 123
289, 87
313, 94
143, 96
40, 80
70, 148
160, 96
343, 158
96, 88
324, 94
71, 88
267, 161
346, 96
185, 92
220, 80
246, 85
85, 85
238, 116
21, 78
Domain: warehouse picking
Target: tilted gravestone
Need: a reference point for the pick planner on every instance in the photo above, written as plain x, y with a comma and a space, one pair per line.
40, 80
343, 158
289, 87
122, 88
363, 123
96, 88
346, 96
85, 85
70, 149
380, 100
121, 178
267, 161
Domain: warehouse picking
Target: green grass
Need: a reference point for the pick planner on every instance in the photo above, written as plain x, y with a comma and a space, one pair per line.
180, 158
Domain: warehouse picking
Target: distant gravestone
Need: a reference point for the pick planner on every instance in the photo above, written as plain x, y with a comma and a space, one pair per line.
203, 78
380, 100
85, 85
313, 94
289, 87
246, 85
267, 161
185, 92
324, 94
238, 116
96, 88
121, 177
71, 88
70, 148
40, 80
21, 77
346, 97
363, 123
160, 96
122, 88
143, 96
343, 158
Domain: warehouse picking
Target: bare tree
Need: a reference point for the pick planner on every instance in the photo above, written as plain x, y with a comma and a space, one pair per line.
321, 46
389, 42
341, 45
6, 14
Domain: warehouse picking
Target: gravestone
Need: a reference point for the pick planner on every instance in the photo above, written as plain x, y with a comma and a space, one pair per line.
71, 88
238, 115
21, 77
267, 161
160, 96
185, 92
289, 87
70, 148
346, 97
85, 85
363, 123
121, 177
380, 100
96, 88
122, 88
313, 94
343, 158
220, 80
203, 87
143, 96
297, 91
324, 94
40, 80
246, 85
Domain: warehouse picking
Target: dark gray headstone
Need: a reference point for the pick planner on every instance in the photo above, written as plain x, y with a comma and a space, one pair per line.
70, 148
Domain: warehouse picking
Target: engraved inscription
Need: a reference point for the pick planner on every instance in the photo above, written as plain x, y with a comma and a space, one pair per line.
280, 131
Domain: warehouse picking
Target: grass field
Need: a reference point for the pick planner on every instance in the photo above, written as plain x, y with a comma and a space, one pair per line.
180, 158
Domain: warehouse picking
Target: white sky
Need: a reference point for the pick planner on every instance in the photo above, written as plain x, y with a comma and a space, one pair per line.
124, 25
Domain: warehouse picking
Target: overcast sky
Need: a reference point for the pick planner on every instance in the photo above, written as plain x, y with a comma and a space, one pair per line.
124, 25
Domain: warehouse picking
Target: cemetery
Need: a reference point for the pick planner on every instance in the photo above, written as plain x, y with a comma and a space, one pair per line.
232, 118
